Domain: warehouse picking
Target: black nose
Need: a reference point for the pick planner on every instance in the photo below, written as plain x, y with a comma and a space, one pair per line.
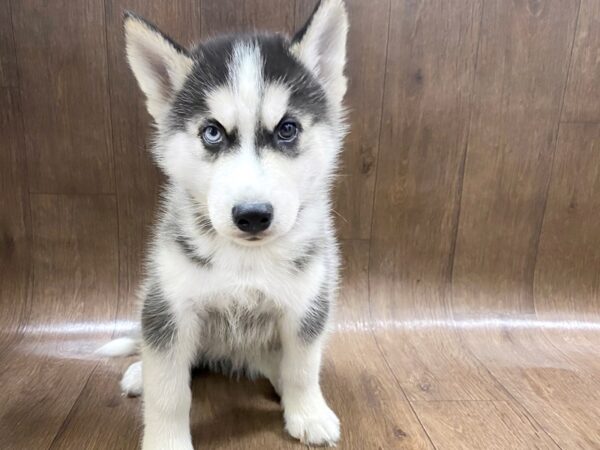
252, 217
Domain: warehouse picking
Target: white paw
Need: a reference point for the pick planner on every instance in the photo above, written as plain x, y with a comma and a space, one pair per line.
316, 426
164, 443
131, 383
161, 444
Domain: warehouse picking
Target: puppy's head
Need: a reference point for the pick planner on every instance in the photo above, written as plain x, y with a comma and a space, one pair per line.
249, 125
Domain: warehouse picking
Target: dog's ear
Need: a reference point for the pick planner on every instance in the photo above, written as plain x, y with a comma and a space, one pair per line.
321, 45
159, 63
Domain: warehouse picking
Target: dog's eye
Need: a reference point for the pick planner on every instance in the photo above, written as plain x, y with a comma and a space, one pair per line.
287, 130
212, 135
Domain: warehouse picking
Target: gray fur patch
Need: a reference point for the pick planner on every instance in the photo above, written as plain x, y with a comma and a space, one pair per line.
302, 261
158, 324
204, 224
313, 323
241, 328
190, 251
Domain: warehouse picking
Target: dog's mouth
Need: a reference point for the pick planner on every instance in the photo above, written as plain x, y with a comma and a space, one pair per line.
254, 240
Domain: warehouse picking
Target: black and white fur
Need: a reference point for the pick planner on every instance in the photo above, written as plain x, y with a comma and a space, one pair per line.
215, 295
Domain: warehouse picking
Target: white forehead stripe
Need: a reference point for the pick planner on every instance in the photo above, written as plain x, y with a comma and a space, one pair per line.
246, 72
245, 99
221, 104
236, 104
274, 106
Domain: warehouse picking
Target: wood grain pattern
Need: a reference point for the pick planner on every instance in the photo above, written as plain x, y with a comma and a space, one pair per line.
234, 16
74, 258
423, 137
486, 424
8, 62
65, 96
540, 378
583, 90
511, 143
14, 218
567, 280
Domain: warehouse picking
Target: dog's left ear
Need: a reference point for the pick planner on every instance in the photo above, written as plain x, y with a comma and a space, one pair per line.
159, 64
321, 45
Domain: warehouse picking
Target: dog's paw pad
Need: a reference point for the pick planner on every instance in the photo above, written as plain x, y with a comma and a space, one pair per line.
131, 383
320, 427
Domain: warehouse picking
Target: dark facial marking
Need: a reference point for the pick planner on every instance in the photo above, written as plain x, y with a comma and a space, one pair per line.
204, 223
313, 323
190, 251
210, 71
306, 93
158, 323
265, 138
302, 261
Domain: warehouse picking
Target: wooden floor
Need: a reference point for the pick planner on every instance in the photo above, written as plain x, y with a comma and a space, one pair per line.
395, 382
468, 206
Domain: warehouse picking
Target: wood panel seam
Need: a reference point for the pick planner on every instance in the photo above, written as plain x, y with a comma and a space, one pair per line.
26, 312
551, 169
65, 422
381, 111
463, 163
113, 157
528, 415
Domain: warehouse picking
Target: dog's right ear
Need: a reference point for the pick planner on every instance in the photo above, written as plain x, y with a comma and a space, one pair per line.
159, 63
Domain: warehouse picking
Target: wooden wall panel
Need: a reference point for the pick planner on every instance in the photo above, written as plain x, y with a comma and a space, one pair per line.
230, 16
8, 61
367, 48
137, 178
74, 257
14, 217
583, 90
567, 273
426, 111
512, 140
61, 52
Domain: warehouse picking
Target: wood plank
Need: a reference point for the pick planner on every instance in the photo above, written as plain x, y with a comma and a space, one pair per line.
512, 140
583, 90
8, 62
73, 304
234, 16
102, 417
480, 424
425, 121
431, 363
540, 377
61, 51
138, 180
15, 224
567, 272
367, 46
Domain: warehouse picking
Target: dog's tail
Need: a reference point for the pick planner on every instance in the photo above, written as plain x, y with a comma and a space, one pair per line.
125, 346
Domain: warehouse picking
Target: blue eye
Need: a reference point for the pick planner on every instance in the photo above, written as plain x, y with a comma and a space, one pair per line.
287, 130
212, 135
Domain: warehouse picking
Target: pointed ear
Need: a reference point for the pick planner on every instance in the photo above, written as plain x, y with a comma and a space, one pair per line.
321, 45
159, 64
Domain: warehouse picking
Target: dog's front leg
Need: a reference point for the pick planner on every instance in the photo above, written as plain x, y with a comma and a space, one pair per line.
167, 399
307, 416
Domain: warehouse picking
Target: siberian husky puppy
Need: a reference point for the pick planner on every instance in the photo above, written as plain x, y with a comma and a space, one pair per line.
243, 268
